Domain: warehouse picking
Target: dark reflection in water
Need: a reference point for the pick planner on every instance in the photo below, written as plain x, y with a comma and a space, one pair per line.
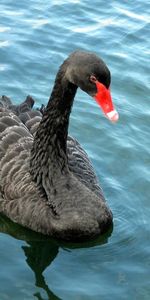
40, 251
39, 256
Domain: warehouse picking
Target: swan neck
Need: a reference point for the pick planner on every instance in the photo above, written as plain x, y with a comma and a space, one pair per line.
49, 152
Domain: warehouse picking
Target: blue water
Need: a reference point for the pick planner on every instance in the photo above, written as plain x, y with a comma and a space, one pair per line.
35, 37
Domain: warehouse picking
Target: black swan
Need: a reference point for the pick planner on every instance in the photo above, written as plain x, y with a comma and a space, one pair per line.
47, 182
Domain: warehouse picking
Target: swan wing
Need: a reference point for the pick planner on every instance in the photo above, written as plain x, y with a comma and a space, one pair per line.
78, 160
20, 199
81, 166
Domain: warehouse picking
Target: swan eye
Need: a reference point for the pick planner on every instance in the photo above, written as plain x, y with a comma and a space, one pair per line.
93, 79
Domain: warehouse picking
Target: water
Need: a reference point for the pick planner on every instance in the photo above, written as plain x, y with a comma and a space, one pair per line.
35, 37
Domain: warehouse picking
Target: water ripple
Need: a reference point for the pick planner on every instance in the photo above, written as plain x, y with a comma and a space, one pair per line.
10, 13
133, 15
3, 67
4, 29
37, 23
99, 25
4, 44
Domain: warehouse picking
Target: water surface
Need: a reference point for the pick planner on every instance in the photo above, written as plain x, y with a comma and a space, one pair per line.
35, 37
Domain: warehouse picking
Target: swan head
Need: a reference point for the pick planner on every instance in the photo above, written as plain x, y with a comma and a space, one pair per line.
89, 72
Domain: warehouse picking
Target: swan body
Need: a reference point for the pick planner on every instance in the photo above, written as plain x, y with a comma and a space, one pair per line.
47, 182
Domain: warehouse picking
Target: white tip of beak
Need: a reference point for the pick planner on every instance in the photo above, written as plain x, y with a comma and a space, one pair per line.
113, 116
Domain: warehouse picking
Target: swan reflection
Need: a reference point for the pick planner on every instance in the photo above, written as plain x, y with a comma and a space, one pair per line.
40, 252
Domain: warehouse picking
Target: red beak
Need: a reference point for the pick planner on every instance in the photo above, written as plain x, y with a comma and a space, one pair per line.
103, 98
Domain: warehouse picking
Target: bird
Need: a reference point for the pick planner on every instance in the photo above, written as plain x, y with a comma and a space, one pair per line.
47, 181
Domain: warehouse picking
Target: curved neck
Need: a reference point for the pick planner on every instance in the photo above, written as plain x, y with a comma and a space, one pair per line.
48, 155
